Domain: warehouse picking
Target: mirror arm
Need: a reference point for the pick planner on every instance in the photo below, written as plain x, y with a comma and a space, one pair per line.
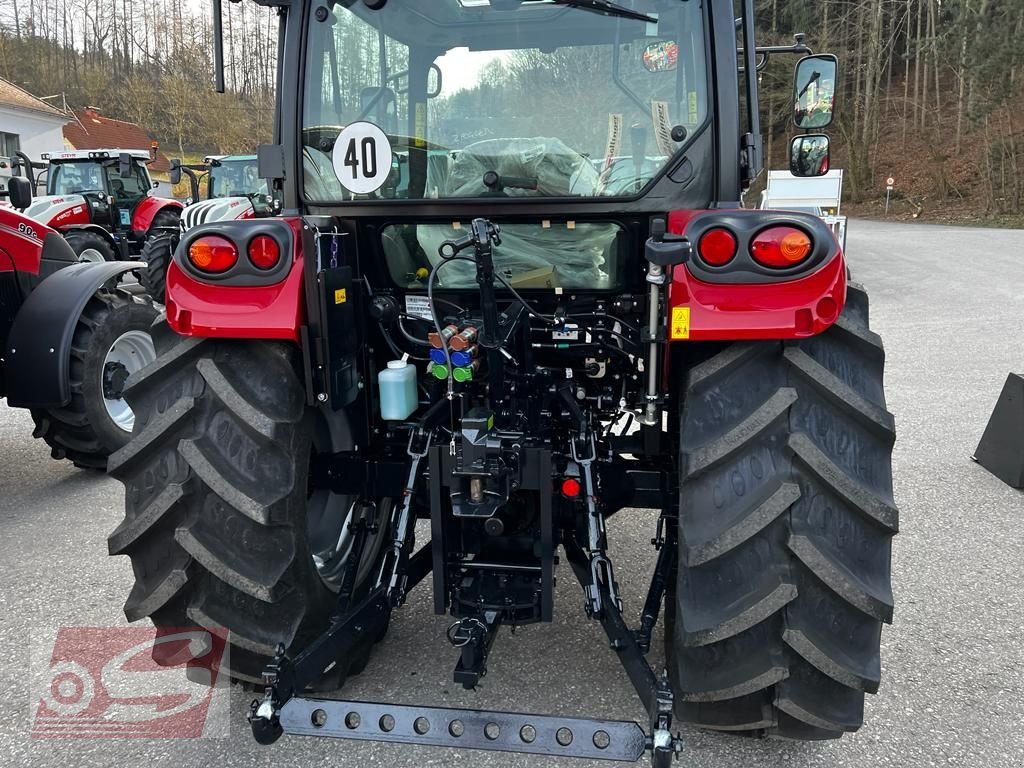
193, 181
799, 47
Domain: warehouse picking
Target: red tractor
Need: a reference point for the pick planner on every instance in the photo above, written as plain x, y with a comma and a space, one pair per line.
455, 326
69, 338
101, 201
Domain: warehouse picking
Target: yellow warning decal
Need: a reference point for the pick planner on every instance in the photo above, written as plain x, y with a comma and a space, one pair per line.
341, 296
680, 323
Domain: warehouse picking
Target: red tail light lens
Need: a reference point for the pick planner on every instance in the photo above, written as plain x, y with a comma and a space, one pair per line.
571, 488
781, 247
717, 247
213, 254
264, 252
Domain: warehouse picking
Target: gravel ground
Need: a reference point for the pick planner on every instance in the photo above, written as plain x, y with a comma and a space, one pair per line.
946, 300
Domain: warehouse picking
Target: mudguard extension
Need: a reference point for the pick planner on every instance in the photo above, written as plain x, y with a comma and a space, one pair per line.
39, 347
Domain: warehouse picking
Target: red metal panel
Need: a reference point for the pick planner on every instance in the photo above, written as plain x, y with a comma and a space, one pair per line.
146, 211
277, 311
796, 308
21, 242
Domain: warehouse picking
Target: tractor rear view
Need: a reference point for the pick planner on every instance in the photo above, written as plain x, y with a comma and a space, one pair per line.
513, 292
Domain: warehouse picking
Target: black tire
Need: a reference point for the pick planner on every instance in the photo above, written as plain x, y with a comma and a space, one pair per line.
786, 522
216, 481
156, 253
84, 431
89, 245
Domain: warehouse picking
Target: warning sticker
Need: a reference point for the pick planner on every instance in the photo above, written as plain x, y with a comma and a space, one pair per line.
614, 144
662, 128
341, 296
362, 158
680, 323
417, 306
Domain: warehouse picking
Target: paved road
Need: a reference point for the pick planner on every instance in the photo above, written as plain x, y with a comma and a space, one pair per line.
948, 302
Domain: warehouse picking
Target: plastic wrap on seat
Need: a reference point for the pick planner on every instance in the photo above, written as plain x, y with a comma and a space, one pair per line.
560, 171
532, 256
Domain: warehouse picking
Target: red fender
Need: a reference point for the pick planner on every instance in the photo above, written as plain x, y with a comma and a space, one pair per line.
275, 311
147, 210
805, 306
21, 242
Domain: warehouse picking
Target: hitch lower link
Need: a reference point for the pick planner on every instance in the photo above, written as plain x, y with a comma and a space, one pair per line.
284, 710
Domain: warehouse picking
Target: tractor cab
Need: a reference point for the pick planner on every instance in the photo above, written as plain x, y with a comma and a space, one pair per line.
233, 189
112, 182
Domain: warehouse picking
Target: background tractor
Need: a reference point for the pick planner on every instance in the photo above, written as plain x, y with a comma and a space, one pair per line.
69, 338
455, 320
234, 191
101, 201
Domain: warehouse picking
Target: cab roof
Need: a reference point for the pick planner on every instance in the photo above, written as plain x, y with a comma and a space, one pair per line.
98, 154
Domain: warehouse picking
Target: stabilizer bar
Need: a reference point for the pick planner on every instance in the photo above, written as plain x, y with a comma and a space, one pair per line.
465, 728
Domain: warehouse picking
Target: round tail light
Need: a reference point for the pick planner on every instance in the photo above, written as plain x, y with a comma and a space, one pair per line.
571, 488
781, 247
264, 252
717, 247
213, 254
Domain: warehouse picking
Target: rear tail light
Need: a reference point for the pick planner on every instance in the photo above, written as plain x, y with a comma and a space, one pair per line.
717, 247
213, 254
781, 247
264, 252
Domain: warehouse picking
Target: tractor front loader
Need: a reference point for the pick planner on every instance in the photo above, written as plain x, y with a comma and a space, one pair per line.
513, 291
69, 338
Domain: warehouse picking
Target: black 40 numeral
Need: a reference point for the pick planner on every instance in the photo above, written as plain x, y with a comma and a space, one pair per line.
363, 156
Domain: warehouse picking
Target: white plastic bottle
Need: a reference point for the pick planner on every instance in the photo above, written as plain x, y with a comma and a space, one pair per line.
398, 397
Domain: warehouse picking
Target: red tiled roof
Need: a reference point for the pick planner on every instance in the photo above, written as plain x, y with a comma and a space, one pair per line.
13, 96
99, 132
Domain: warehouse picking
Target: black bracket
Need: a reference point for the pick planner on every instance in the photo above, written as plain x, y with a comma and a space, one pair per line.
474, 638
665, 249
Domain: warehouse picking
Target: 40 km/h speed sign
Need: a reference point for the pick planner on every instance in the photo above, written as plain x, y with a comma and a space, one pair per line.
362, 158
890, 181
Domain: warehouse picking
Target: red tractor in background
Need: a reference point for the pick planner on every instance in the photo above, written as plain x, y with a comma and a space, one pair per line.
101, 201
69, 338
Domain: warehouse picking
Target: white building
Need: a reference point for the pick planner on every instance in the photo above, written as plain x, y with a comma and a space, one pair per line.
28, 124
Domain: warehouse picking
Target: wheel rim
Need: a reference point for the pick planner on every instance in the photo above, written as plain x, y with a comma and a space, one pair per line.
331, 540
91, 255
132, 352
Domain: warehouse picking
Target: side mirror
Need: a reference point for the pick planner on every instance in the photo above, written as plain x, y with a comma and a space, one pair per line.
124, 163
814, 91
175, 172
661, 56
810, 156
19, 189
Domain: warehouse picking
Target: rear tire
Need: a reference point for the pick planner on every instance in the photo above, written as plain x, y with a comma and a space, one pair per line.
216, 492
156, 253
85, 431
90, 246
785, 529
